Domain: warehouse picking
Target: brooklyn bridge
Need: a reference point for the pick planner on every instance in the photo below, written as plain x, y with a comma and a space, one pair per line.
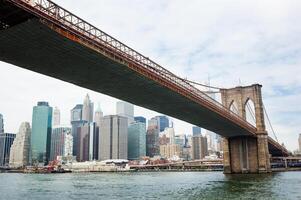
43, 37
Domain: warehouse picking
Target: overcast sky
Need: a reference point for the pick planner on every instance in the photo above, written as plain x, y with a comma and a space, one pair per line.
230, 41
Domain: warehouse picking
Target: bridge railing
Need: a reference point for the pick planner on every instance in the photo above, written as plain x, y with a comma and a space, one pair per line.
71, 21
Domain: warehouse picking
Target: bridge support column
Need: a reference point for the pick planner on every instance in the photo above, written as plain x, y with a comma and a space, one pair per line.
246, 155
226, 162
264, 165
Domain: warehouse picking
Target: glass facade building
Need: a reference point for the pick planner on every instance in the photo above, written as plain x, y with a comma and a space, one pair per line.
140, 119
76, 123
136, 140
41, 133
161, 121
6, 141
196, 131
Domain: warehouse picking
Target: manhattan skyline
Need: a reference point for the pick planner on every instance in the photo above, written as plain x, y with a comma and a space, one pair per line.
269, 44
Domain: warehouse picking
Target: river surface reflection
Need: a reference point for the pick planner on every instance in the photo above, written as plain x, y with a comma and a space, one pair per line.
150, 185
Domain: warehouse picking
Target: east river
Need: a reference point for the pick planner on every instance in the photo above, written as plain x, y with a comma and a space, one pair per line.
150, 185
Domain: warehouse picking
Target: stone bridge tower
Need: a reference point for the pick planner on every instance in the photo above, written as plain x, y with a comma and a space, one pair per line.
246, 154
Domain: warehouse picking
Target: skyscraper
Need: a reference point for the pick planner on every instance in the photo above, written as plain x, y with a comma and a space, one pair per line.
83, 142
136, 140
98, 115
199, 147
196, 131
41, 133
56, 117
20, 149
140, 119
93, 141
6, 140
125, 109
88, 107
164, 122
68, 147
98, 118
113, 138
170, 133
76, 122
58, 141
1, 124
152, 137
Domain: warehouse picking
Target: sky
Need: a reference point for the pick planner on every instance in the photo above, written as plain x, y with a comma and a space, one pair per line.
230, 42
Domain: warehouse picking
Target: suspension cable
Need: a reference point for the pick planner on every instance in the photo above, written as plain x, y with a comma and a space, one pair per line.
270, 123
204, 85
251, 112
235, 108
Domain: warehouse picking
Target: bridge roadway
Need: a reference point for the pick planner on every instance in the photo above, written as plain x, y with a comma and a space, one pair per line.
40, 36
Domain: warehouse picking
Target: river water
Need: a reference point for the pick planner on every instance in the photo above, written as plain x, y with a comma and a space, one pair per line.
150, 185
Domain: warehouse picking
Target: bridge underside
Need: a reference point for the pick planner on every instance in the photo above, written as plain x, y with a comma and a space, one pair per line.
28, 43
34, 46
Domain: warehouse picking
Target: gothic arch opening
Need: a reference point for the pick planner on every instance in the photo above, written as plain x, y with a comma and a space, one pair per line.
250, 112
234, 107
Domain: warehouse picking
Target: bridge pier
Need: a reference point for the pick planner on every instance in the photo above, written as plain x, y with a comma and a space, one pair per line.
246, 154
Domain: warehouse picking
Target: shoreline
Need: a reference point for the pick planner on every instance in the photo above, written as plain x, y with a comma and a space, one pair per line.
275, 170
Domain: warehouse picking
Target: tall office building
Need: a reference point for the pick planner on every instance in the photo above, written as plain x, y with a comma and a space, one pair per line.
300, 142
125, 109
140, 119
76, 122
196, 131
6, 140
41, 133
136, 140
88, 107
58, 141
98, 116
180, 140
1, 124
82, 145
93, 141
113, 138
68, 146
163, 122
20, 149
170, 133
199, 147
152, 138
56, 121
